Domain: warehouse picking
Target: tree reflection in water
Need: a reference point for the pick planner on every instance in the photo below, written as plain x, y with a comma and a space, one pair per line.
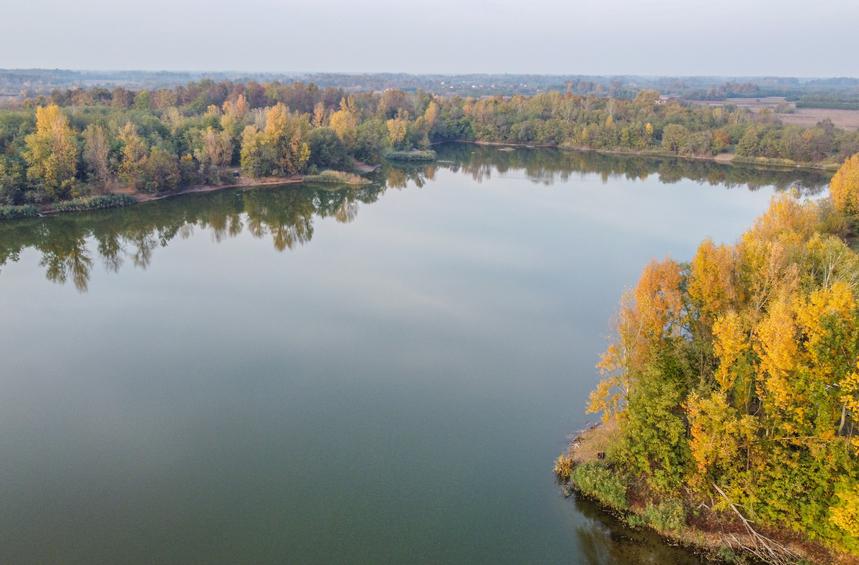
286, 214
605, 540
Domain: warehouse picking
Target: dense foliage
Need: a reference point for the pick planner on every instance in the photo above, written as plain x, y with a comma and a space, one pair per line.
739, 371
83, 141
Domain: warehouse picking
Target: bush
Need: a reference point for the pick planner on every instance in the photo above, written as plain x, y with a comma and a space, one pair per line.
15, 212
99, 202
563, 467
600, 482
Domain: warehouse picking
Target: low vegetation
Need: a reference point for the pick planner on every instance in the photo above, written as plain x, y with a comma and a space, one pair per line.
337, 177
601, 483
98, 202
733, 380
413, 155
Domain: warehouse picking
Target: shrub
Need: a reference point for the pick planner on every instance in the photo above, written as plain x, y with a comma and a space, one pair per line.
563, 467
600, 482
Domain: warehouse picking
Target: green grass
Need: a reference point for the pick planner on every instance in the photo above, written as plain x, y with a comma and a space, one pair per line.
600, 482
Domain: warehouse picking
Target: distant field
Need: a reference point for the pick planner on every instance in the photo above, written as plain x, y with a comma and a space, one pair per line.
845, 119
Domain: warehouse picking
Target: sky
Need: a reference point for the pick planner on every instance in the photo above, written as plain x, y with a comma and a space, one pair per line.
642, 37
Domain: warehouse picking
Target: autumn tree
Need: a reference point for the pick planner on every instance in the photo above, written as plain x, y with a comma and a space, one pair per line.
234, 116
134, 154
344, 122
318, 115
284, 134
740, 371
96, 153
215, 151
255, 158
51, 151
397, 131
844, 186
160, 171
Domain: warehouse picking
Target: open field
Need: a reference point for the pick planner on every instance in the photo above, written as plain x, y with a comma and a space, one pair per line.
788, 113
846, 119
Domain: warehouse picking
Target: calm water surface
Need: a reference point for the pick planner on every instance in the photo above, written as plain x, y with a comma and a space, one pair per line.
307, 375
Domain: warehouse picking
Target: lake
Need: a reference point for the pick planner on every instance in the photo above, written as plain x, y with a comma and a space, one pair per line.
306, 374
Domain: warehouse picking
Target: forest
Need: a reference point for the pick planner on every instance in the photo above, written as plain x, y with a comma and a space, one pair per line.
732, 383
82, 143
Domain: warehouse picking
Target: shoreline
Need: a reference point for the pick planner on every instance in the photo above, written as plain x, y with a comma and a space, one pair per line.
134, 198
142, 198
713, 535
763, 163
248, 183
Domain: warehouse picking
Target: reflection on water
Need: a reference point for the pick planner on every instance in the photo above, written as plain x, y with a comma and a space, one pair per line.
70, 244
301, 374
605, 540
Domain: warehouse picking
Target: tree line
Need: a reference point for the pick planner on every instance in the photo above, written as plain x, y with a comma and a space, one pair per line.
91, 141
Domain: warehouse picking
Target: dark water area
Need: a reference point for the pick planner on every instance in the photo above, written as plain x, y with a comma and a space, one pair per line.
305, 374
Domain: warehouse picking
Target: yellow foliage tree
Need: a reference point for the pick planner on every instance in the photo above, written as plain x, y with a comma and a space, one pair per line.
658, 299
844, 186
344, 122
431, 113
845, 514
52, 151
730, 341
397, 130
717, 432
778, 349
134, 154
711, 283
648, 314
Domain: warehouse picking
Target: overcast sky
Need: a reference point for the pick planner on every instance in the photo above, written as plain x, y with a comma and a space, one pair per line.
665, 37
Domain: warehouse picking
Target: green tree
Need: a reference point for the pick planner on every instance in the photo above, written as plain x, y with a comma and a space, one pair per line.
326, 150
674, 138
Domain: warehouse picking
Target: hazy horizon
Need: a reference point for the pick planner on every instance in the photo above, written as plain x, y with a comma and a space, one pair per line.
587, 37
287, 72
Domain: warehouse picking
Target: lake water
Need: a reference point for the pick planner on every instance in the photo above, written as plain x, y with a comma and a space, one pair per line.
311, 375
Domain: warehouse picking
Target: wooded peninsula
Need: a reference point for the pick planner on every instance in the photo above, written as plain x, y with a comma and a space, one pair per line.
94, 147
731, 391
